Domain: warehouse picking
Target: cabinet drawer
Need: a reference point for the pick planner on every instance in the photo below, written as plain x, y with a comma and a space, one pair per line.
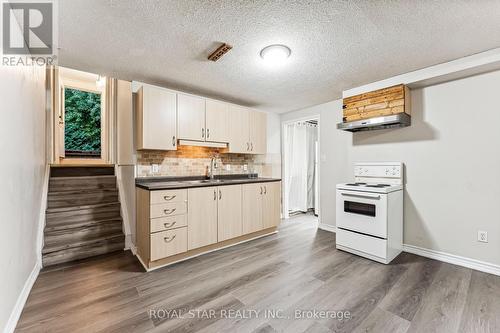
165, 223
168, 209
168, 196
168, 243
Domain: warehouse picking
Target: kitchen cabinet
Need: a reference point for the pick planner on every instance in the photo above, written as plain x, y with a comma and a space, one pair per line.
239, 130
257, 132
216, 121
156, 119
202, 217
271, 204
248, 131
229, 212
261, 206
176, 224
252, 207
191, 117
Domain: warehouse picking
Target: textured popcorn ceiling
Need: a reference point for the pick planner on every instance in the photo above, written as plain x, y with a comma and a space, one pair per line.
335, 45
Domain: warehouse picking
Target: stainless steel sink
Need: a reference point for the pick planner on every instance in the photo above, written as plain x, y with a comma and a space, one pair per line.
205, 181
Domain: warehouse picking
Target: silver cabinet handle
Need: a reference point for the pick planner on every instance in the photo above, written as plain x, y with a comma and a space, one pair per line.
261, 190
248, 146
173, 141
220, 194
169, 239
265, 190
168, 225
208, 133
251, 145
215, 195
168, 197
169, 211
202, 132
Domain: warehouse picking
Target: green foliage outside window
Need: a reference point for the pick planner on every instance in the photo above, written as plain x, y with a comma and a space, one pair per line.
82, 120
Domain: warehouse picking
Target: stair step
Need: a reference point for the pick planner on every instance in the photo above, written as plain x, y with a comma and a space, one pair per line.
93, 241
81, 224
73, 235
86, 251
81, 198
58, 216
58, 184
81, 171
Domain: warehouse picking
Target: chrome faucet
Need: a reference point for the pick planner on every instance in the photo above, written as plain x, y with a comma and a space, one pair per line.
213, 165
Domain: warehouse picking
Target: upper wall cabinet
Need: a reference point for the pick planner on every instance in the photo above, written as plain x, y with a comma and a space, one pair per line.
239, 129
247, 130
156, 118
216, 121
191, 117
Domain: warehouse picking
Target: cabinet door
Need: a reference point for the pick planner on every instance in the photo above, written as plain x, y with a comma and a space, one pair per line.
156, 118
238, 129
229, 212
202, 217
271, 204
191, 117
252, 207
258, 132
216, 121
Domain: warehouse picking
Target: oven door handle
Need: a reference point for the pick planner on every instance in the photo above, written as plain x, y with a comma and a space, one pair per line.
365, 196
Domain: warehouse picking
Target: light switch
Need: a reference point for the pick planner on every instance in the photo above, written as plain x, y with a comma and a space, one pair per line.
155, 168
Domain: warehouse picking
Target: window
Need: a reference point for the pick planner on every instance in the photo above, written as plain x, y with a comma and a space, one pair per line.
82, 123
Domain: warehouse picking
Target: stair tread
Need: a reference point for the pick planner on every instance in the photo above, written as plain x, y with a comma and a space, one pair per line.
49, 248
83, 252
75, 227
82, 207
56, 226
83, 191
83, 177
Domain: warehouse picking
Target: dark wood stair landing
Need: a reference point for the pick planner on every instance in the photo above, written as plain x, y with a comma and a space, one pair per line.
83, 215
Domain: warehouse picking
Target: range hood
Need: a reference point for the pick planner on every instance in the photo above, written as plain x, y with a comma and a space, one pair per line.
375, 123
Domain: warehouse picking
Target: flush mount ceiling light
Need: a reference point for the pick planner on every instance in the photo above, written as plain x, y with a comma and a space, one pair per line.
275, 54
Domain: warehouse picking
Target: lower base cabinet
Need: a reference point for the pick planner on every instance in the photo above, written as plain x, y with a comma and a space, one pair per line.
202, 217
261, 206
229, 213
173, 225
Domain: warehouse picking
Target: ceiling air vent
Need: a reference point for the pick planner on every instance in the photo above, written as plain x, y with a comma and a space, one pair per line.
221, 50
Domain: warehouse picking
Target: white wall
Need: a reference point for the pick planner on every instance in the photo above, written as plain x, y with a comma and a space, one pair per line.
452, 158
22, 143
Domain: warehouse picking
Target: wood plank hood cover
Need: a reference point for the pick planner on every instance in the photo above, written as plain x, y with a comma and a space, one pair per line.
379, 109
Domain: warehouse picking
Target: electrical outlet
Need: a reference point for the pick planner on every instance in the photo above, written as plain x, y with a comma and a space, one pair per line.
228, 167
155, 168
245, 167
482, 236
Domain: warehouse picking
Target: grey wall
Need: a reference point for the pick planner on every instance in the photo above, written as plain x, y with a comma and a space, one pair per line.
22, 143
452, 158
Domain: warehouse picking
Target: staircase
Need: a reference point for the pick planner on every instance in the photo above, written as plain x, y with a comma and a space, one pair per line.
83, 214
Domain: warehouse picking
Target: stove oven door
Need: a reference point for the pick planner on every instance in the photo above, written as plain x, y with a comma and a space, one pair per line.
362, 212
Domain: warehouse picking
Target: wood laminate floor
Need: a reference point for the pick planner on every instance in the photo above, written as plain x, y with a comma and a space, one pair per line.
279, 283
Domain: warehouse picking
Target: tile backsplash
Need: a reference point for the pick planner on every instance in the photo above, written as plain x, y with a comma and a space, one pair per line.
195, 161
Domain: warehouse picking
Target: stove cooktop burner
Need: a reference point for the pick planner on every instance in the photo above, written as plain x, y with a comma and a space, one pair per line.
368, 185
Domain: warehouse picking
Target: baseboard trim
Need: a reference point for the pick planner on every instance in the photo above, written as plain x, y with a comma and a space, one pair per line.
453, 259
21, 300
327, 227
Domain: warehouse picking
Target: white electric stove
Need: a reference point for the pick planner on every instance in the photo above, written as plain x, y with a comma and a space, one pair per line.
370, 211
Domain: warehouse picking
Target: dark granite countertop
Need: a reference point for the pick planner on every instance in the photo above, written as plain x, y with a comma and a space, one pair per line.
172, 183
